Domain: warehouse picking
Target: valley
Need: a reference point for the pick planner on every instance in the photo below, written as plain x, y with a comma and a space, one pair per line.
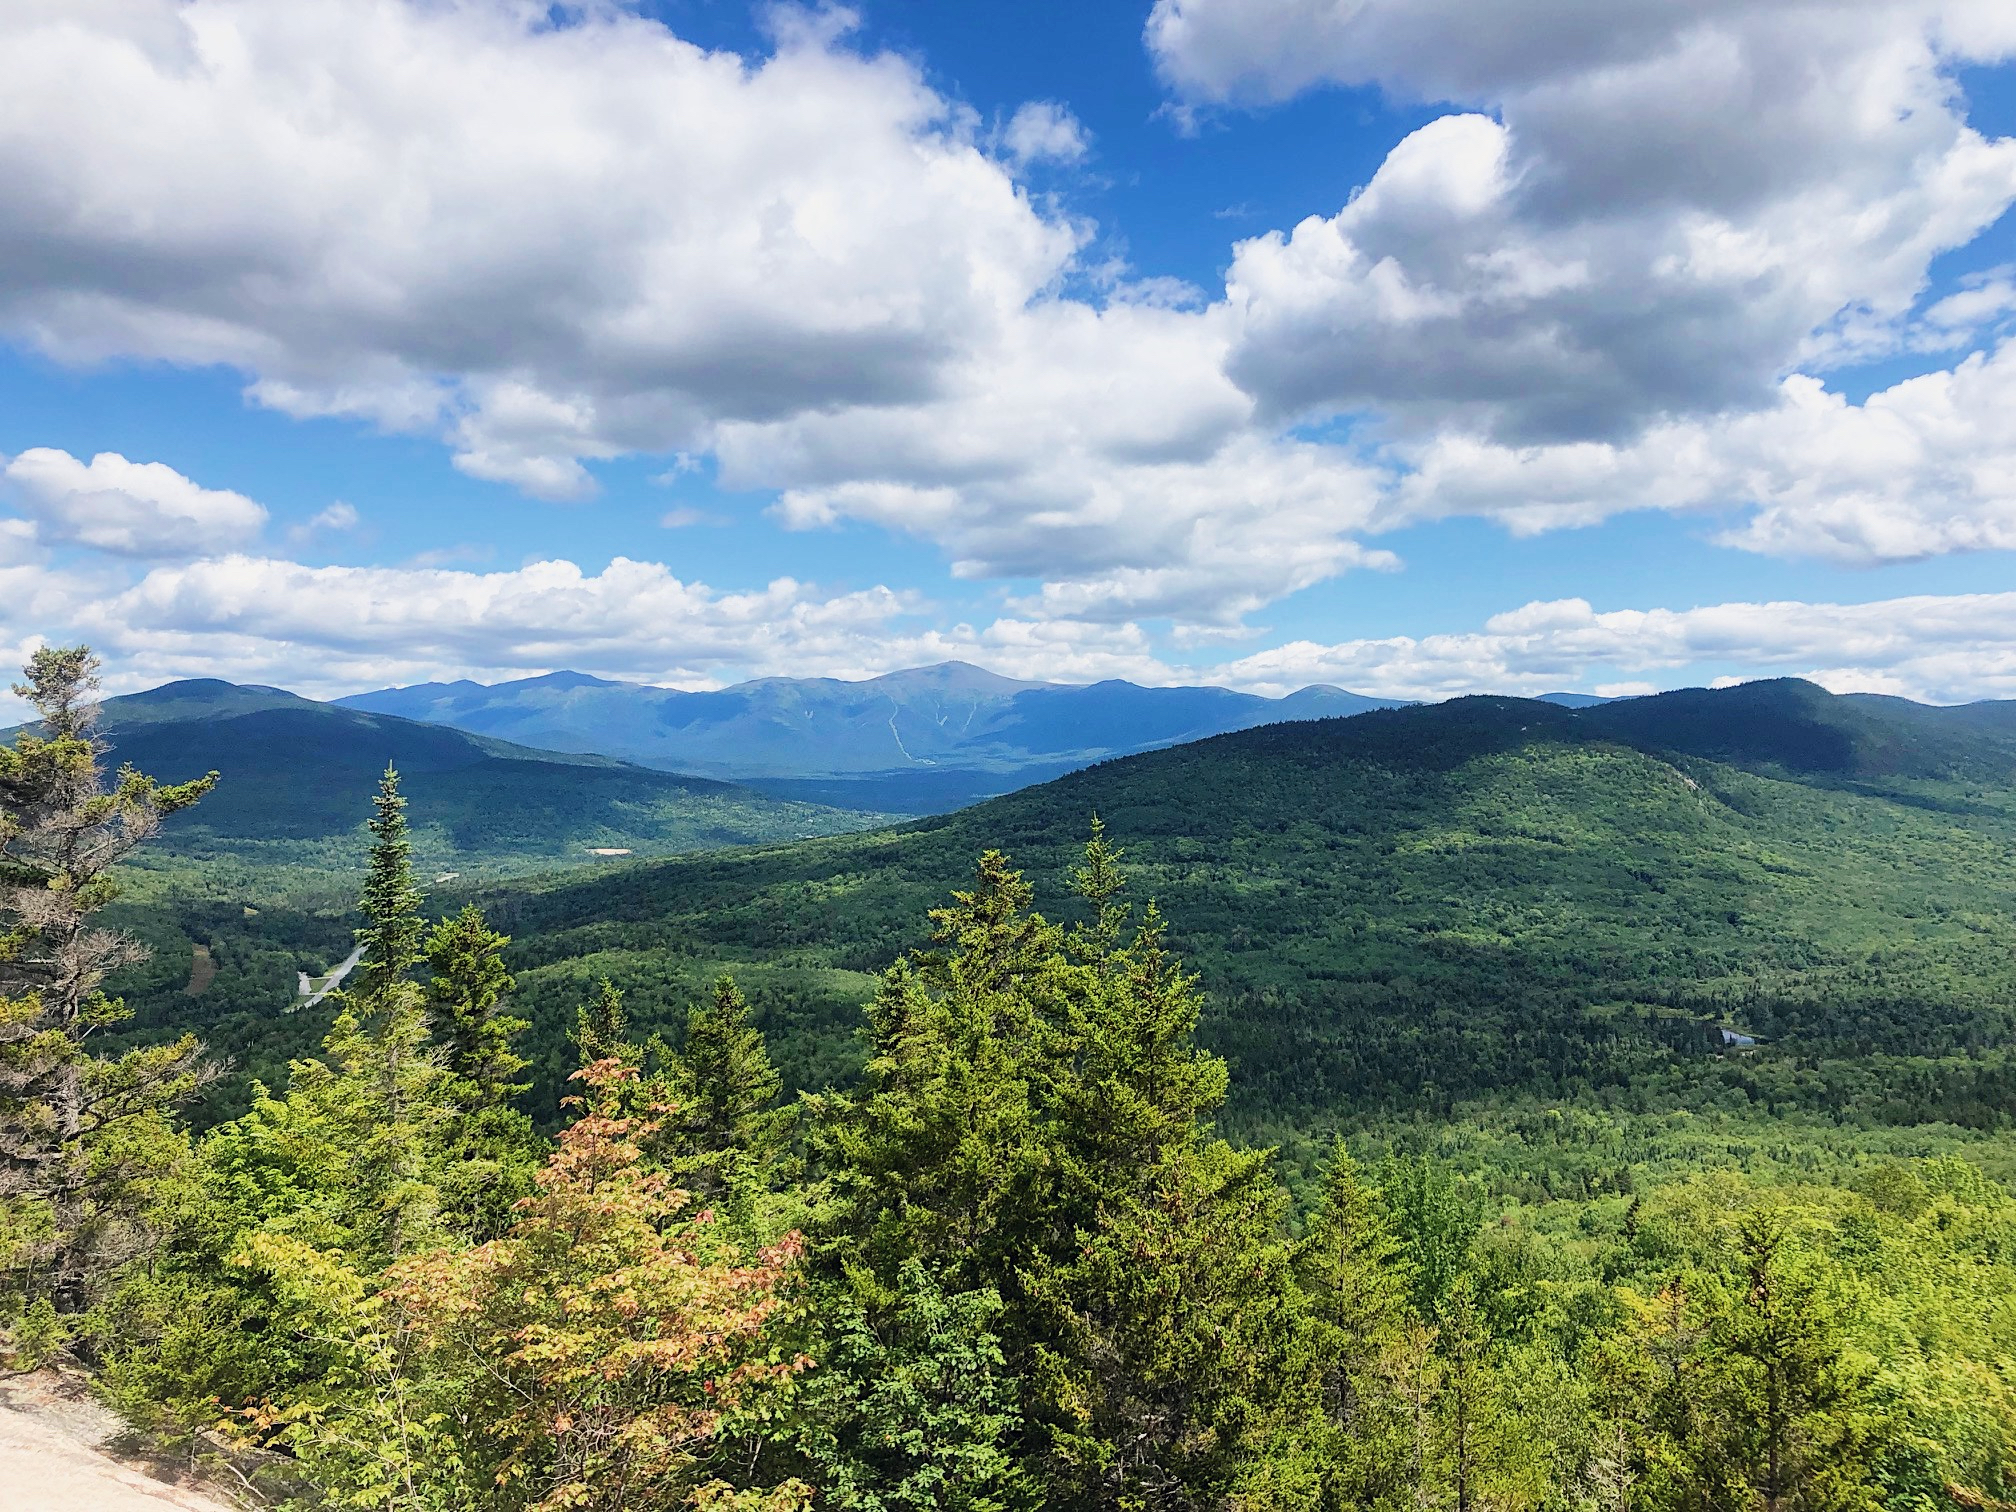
1391, 914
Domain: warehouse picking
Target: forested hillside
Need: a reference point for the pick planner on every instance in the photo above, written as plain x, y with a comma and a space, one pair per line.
1394, 912
1016, 1266
1486, 896
240, 897
297, 776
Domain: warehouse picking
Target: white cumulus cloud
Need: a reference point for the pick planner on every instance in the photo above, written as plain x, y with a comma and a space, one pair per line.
1044, 131
559, 241
1923, 468
1653, 210
1611, 276
131, 509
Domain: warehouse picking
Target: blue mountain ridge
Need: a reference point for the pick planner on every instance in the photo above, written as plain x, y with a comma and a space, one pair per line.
925, 723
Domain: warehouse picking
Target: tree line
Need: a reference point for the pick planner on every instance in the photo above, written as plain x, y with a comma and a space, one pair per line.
1014, 1267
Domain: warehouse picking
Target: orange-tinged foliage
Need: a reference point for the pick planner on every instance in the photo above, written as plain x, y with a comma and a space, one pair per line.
610, 1331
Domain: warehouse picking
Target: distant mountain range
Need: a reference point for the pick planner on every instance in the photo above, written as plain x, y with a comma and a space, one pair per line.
298, 773
924, 739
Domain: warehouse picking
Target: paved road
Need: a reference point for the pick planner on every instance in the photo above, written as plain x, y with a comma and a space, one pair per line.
310, 997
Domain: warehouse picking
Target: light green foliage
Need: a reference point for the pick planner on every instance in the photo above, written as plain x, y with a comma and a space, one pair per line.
601, 1027
1438, 1217
467, 992
83, 1136
911, 1412
584, 1362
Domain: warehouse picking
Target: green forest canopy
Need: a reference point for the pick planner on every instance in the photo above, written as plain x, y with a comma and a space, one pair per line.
1014, 1265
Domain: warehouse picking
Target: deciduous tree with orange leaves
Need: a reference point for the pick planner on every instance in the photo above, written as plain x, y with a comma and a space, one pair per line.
608, 1336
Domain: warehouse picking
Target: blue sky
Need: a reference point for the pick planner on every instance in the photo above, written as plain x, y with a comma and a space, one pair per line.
1422, 348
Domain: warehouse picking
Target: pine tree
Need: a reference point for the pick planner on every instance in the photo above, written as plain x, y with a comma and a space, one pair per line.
1352, 1271
725, 1131
491, 1150
467, 993
1466, 1445
1164, 1298
942, 1157
1032, 1125
1354, 1292
379, 1113
602, 1027
366, 1130
1099, 882
1793, 1406
392, 934
1170, 1334
912, 1410
78, 1132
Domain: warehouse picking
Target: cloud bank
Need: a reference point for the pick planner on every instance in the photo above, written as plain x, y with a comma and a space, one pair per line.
1616, 273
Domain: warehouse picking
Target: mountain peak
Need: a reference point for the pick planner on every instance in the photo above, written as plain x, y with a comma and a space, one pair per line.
563, 679
196, 698
953, 676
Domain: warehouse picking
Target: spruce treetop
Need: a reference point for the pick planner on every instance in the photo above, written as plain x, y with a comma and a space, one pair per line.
393, 932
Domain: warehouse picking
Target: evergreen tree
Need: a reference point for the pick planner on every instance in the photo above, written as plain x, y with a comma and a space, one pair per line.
1354, 1290
943, 1157
1171, 1332
1165, 1302
602, 1027
724, 1132
491, 1151
362, 1134
1099, 882
467, 992
912, 1412
393, 934
1467, 1451
80, 1134
1792, 1404
1032, 1124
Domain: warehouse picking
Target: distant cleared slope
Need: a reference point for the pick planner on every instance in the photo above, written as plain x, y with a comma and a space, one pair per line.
928, 720
1489, 895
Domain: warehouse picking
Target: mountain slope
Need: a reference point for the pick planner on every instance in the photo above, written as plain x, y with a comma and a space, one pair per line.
257, 884
925, 721
1486, 895
300, 773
